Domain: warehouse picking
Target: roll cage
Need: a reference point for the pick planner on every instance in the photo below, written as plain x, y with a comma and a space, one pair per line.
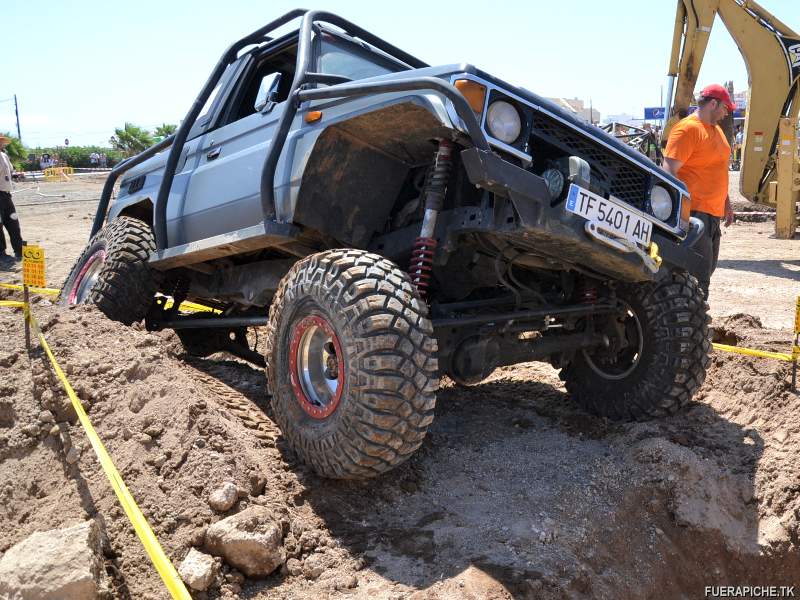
300, 91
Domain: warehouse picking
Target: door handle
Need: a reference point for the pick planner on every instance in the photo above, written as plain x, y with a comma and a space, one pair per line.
213, 154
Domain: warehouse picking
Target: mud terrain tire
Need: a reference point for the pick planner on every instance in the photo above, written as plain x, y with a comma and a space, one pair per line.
672, 364
369, 405
117, 257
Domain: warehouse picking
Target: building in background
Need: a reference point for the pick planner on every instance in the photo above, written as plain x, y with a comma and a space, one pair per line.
578, 108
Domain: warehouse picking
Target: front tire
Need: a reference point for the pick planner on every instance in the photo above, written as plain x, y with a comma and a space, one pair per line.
113, 274
351, 363
662, 362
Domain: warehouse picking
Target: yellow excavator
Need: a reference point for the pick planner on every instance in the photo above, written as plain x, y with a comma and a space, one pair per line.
771, 52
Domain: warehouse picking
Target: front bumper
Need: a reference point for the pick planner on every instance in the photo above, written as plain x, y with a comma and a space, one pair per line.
550, 231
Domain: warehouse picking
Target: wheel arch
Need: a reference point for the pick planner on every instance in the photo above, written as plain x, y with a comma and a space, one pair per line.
357, 167
140, 208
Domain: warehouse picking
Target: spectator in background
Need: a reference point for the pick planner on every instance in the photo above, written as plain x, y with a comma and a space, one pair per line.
8, 214
94, 158
103, 160
697, 153
737, 147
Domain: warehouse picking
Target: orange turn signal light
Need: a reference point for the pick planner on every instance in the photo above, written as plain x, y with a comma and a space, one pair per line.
686, 209
313, 116
474, 92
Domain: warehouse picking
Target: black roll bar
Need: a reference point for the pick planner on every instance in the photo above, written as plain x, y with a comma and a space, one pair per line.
445, 88
297, 94
160, 217
119, 169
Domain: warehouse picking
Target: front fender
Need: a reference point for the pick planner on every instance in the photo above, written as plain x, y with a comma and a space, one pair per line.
358, 165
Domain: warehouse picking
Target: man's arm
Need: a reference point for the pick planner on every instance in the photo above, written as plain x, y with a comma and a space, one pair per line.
728, 212
672, 166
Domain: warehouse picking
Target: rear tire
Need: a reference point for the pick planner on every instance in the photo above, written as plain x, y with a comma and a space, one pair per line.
351, 363
112, 273
657, 374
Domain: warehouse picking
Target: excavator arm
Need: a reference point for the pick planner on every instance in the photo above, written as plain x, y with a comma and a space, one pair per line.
771, 52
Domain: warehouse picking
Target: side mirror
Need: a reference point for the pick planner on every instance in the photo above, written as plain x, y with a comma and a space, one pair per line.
268, 92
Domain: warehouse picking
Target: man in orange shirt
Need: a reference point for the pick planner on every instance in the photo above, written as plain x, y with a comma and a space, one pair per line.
697, 153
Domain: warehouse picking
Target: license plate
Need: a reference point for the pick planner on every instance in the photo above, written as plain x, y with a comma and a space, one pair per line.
610, 214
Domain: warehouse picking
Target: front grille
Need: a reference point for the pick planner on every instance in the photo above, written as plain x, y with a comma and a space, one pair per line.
614, 174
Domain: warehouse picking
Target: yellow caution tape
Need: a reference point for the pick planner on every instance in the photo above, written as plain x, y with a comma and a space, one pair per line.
187, 306
751, 352
162, 564
12, 303
33, 290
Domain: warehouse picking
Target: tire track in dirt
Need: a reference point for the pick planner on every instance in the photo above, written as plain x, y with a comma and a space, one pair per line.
234, 401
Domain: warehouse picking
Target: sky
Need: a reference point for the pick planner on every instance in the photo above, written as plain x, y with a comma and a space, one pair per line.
79, 69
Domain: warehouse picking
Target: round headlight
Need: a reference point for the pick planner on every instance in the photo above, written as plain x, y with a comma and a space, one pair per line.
660, 203
503, 121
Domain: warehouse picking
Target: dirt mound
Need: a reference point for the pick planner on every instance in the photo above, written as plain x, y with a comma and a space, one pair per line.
514, 493
732, 329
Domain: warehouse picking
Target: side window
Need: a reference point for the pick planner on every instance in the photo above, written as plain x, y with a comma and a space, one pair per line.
201, 123
337, 57
266, 84
209, 102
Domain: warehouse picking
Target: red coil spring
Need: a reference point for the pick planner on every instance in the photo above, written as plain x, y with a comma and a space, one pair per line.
422, 263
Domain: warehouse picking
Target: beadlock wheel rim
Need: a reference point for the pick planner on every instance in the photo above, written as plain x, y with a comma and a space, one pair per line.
87, 278
632, 319
316, 368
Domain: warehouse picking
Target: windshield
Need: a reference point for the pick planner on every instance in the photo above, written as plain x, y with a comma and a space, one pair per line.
340, 57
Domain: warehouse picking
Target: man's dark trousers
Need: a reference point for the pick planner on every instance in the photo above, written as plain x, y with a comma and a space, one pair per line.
708, 247
9, 220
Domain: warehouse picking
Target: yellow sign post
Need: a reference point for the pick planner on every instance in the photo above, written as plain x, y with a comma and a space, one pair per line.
33, 266
32, 275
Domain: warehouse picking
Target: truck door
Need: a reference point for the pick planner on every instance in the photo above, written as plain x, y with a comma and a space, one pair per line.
224, 191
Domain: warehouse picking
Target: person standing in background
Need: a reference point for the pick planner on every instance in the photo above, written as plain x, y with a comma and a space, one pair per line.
698, 154
8, 213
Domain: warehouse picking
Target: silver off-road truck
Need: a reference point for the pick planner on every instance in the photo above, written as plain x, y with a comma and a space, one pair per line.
390, 222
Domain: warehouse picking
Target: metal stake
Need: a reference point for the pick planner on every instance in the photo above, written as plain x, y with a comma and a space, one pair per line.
26, 310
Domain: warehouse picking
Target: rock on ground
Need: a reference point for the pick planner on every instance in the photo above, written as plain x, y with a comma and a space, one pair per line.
198, 570
251, 541
55, 564
224, 497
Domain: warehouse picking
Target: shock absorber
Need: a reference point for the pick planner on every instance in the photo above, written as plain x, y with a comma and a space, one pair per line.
433, 195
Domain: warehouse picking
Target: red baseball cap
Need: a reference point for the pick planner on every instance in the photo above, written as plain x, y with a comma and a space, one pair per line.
718, 92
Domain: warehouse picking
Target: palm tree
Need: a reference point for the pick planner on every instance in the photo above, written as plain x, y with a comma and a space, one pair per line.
164, 130
15, 150
131, 139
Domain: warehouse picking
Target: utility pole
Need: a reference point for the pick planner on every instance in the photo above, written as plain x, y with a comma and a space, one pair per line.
16, 112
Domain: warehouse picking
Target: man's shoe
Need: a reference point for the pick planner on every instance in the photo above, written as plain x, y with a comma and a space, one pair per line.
17, 257
6, 259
